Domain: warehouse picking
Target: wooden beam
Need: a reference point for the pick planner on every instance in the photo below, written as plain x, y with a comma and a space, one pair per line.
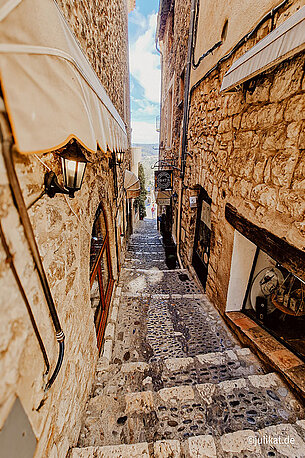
279, 249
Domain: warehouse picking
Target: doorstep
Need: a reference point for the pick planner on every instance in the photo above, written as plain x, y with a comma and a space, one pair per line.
269, 349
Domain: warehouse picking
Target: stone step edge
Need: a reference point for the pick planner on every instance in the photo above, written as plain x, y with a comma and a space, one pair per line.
285, 438
152, 270
146, 295
114, 312
145, 400
172, 364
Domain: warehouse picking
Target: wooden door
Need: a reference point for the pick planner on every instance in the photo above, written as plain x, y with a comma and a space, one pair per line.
201, 253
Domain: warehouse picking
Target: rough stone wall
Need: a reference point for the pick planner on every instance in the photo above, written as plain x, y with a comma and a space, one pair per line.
247, 149
63, 232
173, 63
64, 243
174, 55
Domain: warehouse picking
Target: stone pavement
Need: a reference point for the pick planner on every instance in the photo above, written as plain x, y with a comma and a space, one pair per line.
173, 382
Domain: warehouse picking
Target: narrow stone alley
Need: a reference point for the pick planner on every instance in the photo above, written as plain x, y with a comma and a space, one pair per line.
174, 382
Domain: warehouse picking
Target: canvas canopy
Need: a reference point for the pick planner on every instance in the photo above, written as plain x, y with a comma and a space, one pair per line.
131, 184
283, 42
51, 93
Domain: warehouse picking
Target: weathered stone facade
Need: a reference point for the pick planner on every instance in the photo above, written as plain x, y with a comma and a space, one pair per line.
246, 148
173, 45
174, 52
62, 228
244, 152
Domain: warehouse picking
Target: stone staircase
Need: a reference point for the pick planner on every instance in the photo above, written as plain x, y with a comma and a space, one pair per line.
178, 384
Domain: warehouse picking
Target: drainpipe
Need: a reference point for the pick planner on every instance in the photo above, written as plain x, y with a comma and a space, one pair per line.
186, 110
30, 237
10, 261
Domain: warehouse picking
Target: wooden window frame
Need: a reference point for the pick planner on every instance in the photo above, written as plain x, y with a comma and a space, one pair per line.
105, 295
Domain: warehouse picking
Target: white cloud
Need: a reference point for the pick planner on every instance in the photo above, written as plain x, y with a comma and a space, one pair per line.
144, 107
144, 132
148, 110
138, 19
145, 62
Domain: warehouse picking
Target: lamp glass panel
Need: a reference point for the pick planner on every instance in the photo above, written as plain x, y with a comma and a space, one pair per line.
63, 166
120, 157
69, 175
80, 174
73, 172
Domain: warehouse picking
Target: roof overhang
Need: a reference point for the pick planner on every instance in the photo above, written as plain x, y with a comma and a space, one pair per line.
131, 184
285, 41
51, 92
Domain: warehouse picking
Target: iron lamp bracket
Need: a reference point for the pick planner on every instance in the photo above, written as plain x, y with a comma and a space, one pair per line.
52, 186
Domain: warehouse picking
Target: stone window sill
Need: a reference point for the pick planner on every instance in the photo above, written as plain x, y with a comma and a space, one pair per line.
270, 350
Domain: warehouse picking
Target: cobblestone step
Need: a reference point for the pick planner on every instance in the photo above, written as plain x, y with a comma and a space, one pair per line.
143, 246
152, 327
180, 412
174, 382
145, 249
146, 260
208, 368
279, 441
154, 281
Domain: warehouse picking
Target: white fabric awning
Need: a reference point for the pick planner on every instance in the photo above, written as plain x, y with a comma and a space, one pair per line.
131, 184
51, 92
283, 42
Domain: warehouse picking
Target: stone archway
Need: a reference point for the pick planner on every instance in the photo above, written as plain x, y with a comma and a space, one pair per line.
101, 276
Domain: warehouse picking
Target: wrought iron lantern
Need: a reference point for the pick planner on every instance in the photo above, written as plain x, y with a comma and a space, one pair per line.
120, 156
117, 158
73, 164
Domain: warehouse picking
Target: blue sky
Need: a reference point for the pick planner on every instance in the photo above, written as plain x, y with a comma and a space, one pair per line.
145, 77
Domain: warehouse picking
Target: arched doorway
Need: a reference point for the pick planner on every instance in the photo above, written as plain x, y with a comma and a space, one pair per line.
101, 279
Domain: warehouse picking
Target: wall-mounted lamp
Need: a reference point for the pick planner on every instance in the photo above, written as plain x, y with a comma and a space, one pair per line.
117, 157
73, 164
120, 156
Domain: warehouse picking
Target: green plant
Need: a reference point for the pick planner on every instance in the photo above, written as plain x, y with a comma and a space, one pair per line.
140, 201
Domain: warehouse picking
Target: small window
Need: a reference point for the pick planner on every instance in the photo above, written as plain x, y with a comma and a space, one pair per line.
181, 89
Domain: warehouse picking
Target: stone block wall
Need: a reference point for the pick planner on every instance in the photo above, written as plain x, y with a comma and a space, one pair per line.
174, 55
247, 149
62, 228
64, 243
